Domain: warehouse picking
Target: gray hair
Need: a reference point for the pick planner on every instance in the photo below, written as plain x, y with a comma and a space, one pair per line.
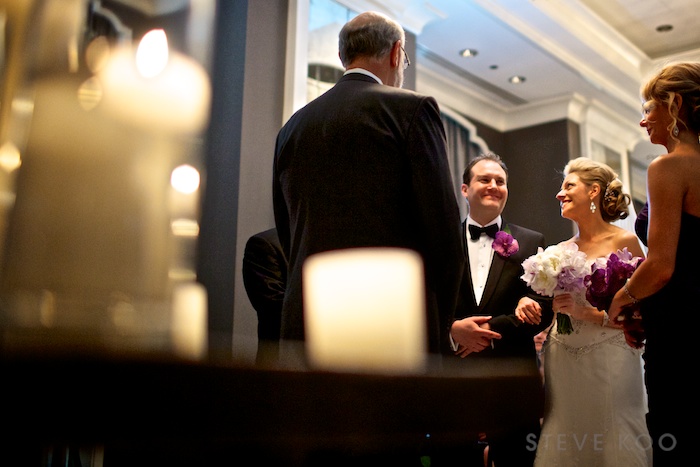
370, 34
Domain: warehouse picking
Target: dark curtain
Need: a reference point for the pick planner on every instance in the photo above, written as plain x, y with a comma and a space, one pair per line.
459, 152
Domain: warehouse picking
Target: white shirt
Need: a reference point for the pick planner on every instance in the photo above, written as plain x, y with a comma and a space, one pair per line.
480, 257
364, 72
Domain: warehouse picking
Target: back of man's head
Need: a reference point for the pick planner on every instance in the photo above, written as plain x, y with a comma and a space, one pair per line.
368, 35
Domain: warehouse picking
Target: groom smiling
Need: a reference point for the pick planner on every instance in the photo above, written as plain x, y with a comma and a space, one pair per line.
491, 291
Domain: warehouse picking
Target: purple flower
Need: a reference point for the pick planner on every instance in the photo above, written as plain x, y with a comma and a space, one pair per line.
606, 279
570, 279
504, 244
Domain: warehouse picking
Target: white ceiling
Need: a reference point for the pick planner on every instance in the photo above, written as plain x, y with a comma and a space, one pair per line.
598, 49
637, 21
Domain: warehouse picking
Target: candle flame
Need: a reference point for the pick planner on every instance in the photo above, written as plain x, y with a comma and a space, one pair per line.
152, 53
10, 159
185, 179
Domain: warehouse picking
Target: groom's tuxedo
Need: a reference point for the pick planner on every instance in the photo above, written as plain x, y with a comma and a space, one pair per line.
501, 293
503, 289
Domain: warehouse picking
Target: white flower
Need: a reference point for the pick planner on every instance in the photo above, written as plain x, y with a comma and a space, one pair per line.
557, 268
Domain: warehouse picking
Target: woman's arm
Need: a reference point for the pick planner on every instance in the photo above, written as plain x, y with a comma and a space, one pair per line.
666, 190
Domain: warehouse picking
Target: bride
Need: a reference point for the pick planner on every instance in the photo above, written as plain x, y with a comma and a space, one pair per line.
595, 402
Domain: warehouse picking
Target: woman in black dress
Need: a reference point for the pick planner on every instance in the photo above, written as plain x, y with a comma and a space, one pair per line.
665, 286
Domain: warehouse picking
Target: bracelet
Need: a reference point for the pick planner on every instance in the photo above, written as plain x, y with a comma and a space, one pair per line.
634, 299
606, 319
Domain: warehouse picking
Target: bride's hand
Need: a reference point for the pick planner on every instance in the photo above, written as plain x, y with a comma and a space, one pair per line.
528, 311
564, 303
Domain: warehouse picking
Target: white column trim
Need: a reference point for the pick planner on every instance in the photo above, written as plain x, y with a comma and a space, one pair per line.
296, 63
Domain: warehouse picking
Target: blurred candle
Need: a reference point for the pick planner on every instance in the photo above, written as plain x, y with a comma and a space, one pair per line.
189, 320
185, 179
101, 241
364, 310
184, 193
156, 88
152, 53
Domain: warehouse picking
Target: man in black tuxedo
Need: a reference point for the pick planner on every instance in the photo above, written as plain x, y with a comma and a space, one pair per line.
265, 278
491, 290
365, 165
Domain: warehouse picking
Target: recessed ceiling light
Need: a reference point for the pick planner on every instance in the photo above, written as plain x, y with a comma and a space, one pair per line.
516, 79
664, 28
469, 53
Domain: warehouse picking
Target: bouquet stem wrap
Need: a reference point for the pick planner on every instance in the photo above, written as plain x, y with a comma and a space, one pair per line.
564, 324
563, 319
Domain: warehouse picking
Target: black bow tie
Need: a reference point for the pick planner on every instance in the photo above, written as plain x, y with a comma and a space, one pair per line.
475, 231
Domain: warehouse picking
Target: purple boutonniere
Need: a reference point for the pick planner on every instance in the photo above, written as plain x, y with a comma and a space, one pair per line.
504, 244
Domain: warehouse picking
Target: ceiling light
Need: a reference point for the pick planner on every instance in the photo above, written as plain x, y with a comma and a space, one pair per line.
516, 79
469, 53
664, 28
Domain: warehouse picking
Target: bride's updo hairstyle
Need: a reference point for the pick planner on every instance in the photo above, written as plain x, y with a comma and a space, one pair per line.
613, 203
679, 78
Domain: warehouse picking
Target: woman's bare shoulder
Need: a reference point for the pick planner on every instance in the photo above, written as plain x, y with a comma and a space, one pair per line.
626, 239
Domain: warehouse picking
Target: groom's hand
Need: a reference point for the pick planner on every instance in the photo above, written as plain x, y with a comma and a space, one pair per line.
470, 336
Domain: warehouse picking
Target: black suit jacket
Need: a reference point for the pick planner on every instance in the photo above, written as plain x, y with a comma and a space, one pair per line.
503, 289
365, 165
265, 278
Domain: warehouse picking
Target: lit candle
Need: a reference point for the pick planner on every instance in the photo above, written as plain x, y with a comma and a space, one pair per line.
156, 88
364, 310
189, 320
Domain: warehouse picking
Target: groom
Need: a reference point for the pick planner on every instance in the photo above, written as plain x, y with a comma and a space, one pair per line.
491, 290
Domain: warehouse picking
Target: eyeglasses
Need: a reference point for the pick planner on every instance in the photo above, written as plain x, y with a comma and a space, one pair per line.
406, 61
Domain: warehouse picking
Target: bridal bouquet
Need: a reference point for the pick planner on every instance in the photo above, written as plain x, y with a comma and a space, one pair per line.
557, 269
608, 275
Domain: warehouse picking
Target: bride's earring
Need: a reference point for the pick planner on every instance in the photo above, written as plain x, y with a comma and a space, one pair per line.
675, 130
593, 208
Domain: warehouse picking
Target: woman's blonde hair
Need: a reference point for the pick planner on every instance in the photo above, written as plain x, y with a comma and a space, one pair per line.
613, 203
682, 79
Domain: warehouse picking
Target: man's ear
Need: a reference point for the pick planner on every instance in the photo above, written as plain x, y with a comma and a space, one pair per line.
396, 55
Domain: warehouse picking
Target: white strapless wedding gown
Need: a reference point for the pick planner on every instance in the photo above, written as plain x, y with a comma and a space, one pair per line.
595, 400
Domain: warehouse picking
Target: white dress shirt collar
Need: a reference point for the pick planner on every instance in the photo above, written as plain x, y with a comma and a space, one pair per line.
364, 72
498, 221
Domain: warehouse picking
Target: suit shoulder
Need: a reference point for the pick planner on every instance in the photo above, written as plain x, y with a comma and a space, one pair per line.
416, 104
267, 239
404, 94
418, 97
524, 231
